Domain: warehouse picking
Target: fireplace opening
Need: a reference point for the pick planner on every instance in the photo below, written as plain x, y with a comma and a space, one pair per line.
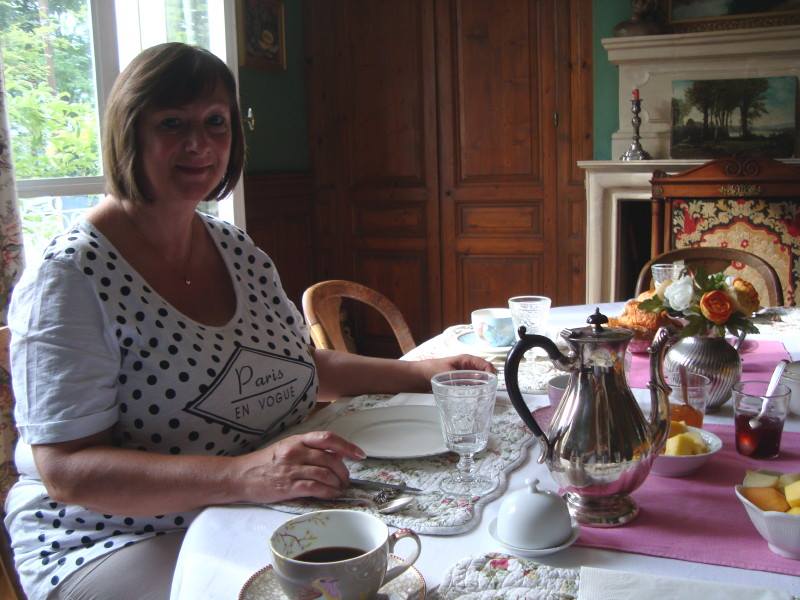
633, 245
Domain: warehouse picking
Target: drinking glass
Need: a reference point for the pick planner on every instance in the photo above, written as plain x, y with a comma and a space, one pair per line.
465, 400
665, 271
688, 406
759, 415
530, 311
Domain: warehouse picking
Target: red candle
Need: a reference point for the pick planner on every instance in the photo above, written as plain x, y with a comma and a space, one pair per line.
635, 93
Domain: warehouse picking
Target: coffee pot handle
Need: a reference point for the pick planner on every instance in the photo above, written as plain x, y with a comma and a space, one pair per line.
525, 343
395, 537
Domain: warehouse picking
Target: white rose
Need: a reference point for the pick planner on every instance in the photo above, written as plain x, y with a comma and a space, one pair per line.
679, 294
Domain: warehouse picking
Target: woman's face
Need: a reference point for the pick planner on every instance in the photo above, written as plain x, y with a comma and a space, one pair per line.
184, 150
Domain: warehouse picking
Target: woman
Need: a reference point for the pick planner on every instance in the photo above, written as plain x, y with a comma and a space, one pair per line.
155, 353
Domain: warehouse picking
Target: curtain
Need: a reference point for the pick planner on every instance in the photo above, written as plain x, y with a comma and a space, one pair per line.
11, 256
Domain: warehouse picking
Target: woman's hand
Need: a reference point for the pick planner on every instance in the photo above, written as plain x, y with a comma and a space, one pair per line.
304, 465
429, 368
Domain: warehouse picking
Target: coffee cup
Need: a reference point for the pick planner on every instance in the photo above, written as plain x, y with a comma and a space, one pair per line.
493, 326
336, 554
556, 388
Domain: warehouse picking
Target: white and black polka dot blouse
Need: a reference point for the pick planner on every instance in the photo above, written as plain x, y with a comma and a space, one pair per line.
93, 347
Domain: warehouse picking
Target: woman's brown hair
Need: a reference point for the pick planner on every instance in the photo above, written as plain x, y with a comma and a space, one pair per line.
163, 76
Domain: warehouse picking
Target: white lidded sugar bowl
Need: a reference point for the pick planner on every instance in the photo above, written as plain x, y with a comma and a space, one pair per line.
533, 519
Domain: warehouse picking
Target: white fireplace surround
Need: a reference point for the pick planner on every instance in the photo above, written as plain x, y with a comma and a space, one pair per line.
651, 63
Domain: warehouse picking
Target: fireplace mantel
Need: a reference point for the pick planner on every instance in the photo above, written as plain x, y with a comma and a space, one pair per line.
652, 62
607, 183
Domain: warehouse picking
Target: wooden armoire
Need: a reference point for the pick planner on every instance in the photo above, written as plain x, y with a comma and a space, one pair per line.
444, 136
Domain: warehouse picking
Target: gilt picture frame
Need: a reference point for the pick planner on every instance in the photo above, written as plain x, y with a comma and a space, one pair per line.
261, 29
684, 16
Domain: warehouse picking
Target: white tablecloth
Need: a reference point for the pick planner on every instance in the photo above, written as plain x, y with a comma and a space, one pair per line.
225, 545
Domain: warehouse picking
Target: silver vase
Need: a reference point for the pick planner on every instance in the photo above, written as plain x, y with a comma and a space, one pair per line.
713, 357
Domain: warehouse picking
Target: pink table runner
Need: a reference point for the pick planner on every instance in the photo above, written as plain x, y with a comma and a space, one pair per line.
759, 358
698, 518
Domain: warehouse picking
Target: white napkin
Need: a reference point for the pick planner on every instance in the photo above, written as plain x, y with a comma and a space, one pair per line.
602, 584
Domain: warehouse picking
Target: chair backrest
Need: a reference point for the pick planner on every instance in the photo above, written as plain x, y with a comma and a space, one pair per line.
9, 582
714, 260
322, 303
750, 204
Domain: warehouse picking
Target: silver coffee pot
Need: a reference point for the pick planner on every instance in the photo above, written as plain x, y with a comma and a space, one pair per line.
599, 446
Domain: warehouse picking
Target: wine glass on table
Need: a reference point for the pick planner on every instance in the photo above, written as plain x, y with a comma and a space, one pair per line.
465, 401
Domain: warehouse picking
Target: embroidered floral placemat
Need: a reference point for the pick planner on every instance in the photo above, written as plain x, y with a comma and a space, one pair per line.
432, 511
496, 576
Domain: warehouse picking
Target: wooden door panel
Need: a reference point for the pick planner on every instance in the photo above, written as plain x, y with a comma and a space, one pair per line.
387, 133
500, 219
402, 277
496, 96
574, 143
491, 280
497, 104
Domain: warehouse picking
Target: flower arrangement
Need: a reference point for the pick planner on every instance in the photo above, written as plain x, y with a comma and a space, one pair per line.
708, 304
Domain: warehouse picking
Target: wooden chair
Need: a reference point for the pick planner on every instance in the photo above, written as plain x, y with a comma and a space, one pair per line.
714, 260
750, 204
322, 304
9, 581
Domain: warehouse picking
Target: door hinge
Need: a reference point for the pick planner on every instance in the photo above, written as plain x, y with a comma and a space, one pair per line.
555, 119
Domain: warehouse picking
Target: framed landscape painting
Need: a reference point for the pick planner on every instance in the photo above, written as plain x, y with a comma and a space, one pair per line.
711, 15
723, 117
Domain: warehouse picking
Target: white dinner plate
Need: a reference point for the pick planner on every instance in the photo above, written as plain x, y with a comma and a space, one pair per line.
393, 431
476, 344
530, 552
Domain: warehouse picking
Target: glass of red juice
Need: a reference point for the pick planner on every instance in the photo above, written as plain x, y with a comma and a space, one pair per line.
759, 415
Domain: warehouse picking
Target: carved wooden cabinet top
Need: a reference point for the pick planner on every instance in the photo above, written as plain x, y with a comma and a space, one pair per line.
731, 178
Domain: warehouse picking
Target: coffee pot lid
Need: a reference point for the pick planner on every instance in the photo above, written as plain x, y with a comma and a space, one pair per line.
595, 332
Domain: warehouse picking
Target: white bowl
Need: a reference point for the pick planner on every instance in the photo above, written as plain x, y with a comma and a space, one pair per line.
680, 466
781, 531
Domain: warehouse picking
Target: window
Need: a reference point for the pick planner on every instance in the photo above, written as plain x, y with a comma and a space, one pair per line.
60, 59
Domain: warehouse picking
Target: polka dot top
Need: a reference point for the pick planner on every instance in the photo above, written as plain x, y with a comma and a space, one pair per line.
94, 347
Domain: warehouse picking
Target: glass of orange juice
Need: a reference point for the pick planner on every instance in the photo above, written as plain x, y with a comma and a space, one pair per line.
687, 400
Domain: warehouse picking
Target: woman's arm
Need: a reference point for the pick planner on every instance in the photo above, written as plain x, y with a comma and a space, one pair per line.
91, 472
344, 374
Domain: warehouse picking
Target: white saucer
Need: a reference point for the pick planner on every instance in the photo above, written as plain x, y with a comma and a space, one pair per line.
470, 339
530, 552
263, 585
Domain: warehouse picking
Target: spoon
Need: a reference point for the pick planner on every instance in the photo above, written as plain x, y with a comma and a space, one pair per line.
755, 422
385, 507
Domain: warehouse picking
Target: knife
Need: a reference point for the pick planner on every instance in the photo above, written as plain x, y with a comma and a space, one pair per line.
379, 485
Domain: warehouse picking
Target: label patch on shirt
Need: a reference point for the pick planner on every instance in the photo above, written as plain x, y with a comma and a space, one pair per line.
251, 391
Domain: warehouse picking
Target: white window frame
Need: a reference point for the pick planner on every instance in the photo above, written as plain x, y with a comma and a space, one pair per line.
106, 63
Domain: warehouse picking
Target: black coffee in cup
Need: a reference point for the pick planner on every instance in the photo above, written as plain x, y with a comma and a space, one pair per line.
329, 554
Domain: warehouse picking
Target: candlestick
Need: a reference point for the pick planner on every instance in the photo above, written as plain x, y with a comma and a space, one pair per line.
635, 150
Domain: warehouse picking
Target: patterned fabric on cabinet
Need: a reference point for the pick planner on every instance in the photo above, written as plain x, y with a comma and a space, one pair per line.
770, 229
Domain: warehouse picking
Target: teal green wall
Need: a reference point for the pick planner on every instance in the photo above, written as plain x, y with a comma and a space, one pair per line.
280, 141
606, 14
278, 98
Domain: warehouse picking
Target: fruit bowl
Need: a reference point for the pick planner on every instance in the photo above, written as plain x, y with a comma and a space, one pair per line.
780, 530
680, 466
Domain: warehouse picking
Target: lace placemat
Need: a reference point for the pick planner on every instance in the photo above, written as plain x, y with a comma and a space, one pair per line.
432, 512
535, 370
496, 576
778, 320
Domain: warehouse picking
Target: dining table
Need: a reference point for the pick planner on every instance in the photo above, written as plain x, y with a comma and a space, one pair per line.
225, 545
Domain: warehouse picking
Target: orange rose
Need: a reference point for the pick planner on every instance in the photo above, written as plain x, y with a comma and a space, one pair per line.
716, 306
746, 295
